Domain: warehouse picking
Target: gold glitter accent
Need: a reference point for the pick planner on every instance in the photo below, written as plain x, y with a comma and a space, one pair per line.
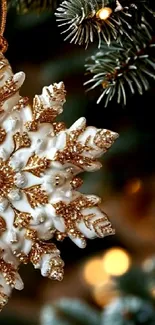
37, 165
36, 195
31, 234
2, 135
59, 126
73, 152
8, 271
105, 230
55, 271
3, 66
44, 115
72, 215
3, 299
40, 248
88, 220
3, 44
23, 101
22, 257
21, 219
7, 178
8, 90
20, 233
41, 112
31, 126
76, 182
21, 140
100, 230
104, 139
60, 236
2, 225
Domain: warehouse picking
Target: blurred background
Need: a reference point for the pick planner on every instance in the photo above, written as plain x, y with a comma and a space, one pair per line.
117, 266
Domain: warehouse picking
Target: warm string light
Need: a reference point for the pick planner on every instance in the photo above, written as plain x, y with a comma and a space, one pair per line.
100, 272
105, 293
116, 262
104, 13
94, 273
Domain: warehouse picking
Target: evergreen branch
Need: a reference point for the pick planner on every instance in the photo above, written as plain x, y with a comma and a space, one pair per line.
26, 6
119, 70
82, 19
69, 311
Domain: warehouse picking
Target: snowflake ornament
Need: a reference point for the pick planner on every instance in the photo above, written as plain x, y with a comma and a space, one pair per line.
40, 160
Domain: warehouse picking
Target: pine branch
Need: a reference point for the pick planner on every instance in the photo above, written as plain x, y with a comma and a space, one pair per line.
122, 70
69, 311
26, 6
82, 20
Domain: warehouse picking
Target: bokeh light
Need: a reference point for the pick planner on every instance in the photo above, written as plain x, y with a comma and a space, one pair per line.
149, 265
94, 273
104, 13
152, 292
116, 262
105, 294
133, 186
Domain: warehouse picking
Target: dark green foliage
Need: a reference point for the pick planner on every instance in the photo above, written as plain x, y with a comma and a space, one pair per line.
26, 6
125, 62
81, 24
69, 312
122, 70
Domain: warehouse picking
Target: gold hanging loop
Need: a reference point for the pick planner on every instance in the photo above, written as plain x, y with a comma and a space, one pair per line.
3, 42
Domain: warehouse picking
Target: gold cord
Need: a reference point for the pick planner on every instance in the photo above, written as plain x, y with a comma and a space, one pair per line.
3, 16
3, 42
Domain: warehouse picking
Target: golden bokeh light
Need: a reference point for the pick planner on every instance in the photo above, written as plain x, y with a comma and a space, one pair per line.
94, 272
134, 186
152, 291
104, 13
103, 295
116, 262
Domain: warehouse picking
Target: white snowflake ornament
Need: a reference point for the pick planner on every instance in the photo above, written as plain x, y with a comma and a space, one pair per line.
40, 160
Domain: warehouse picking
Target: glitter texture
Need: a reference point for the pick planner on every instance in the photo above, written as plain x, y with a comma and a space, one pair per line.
40, 160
